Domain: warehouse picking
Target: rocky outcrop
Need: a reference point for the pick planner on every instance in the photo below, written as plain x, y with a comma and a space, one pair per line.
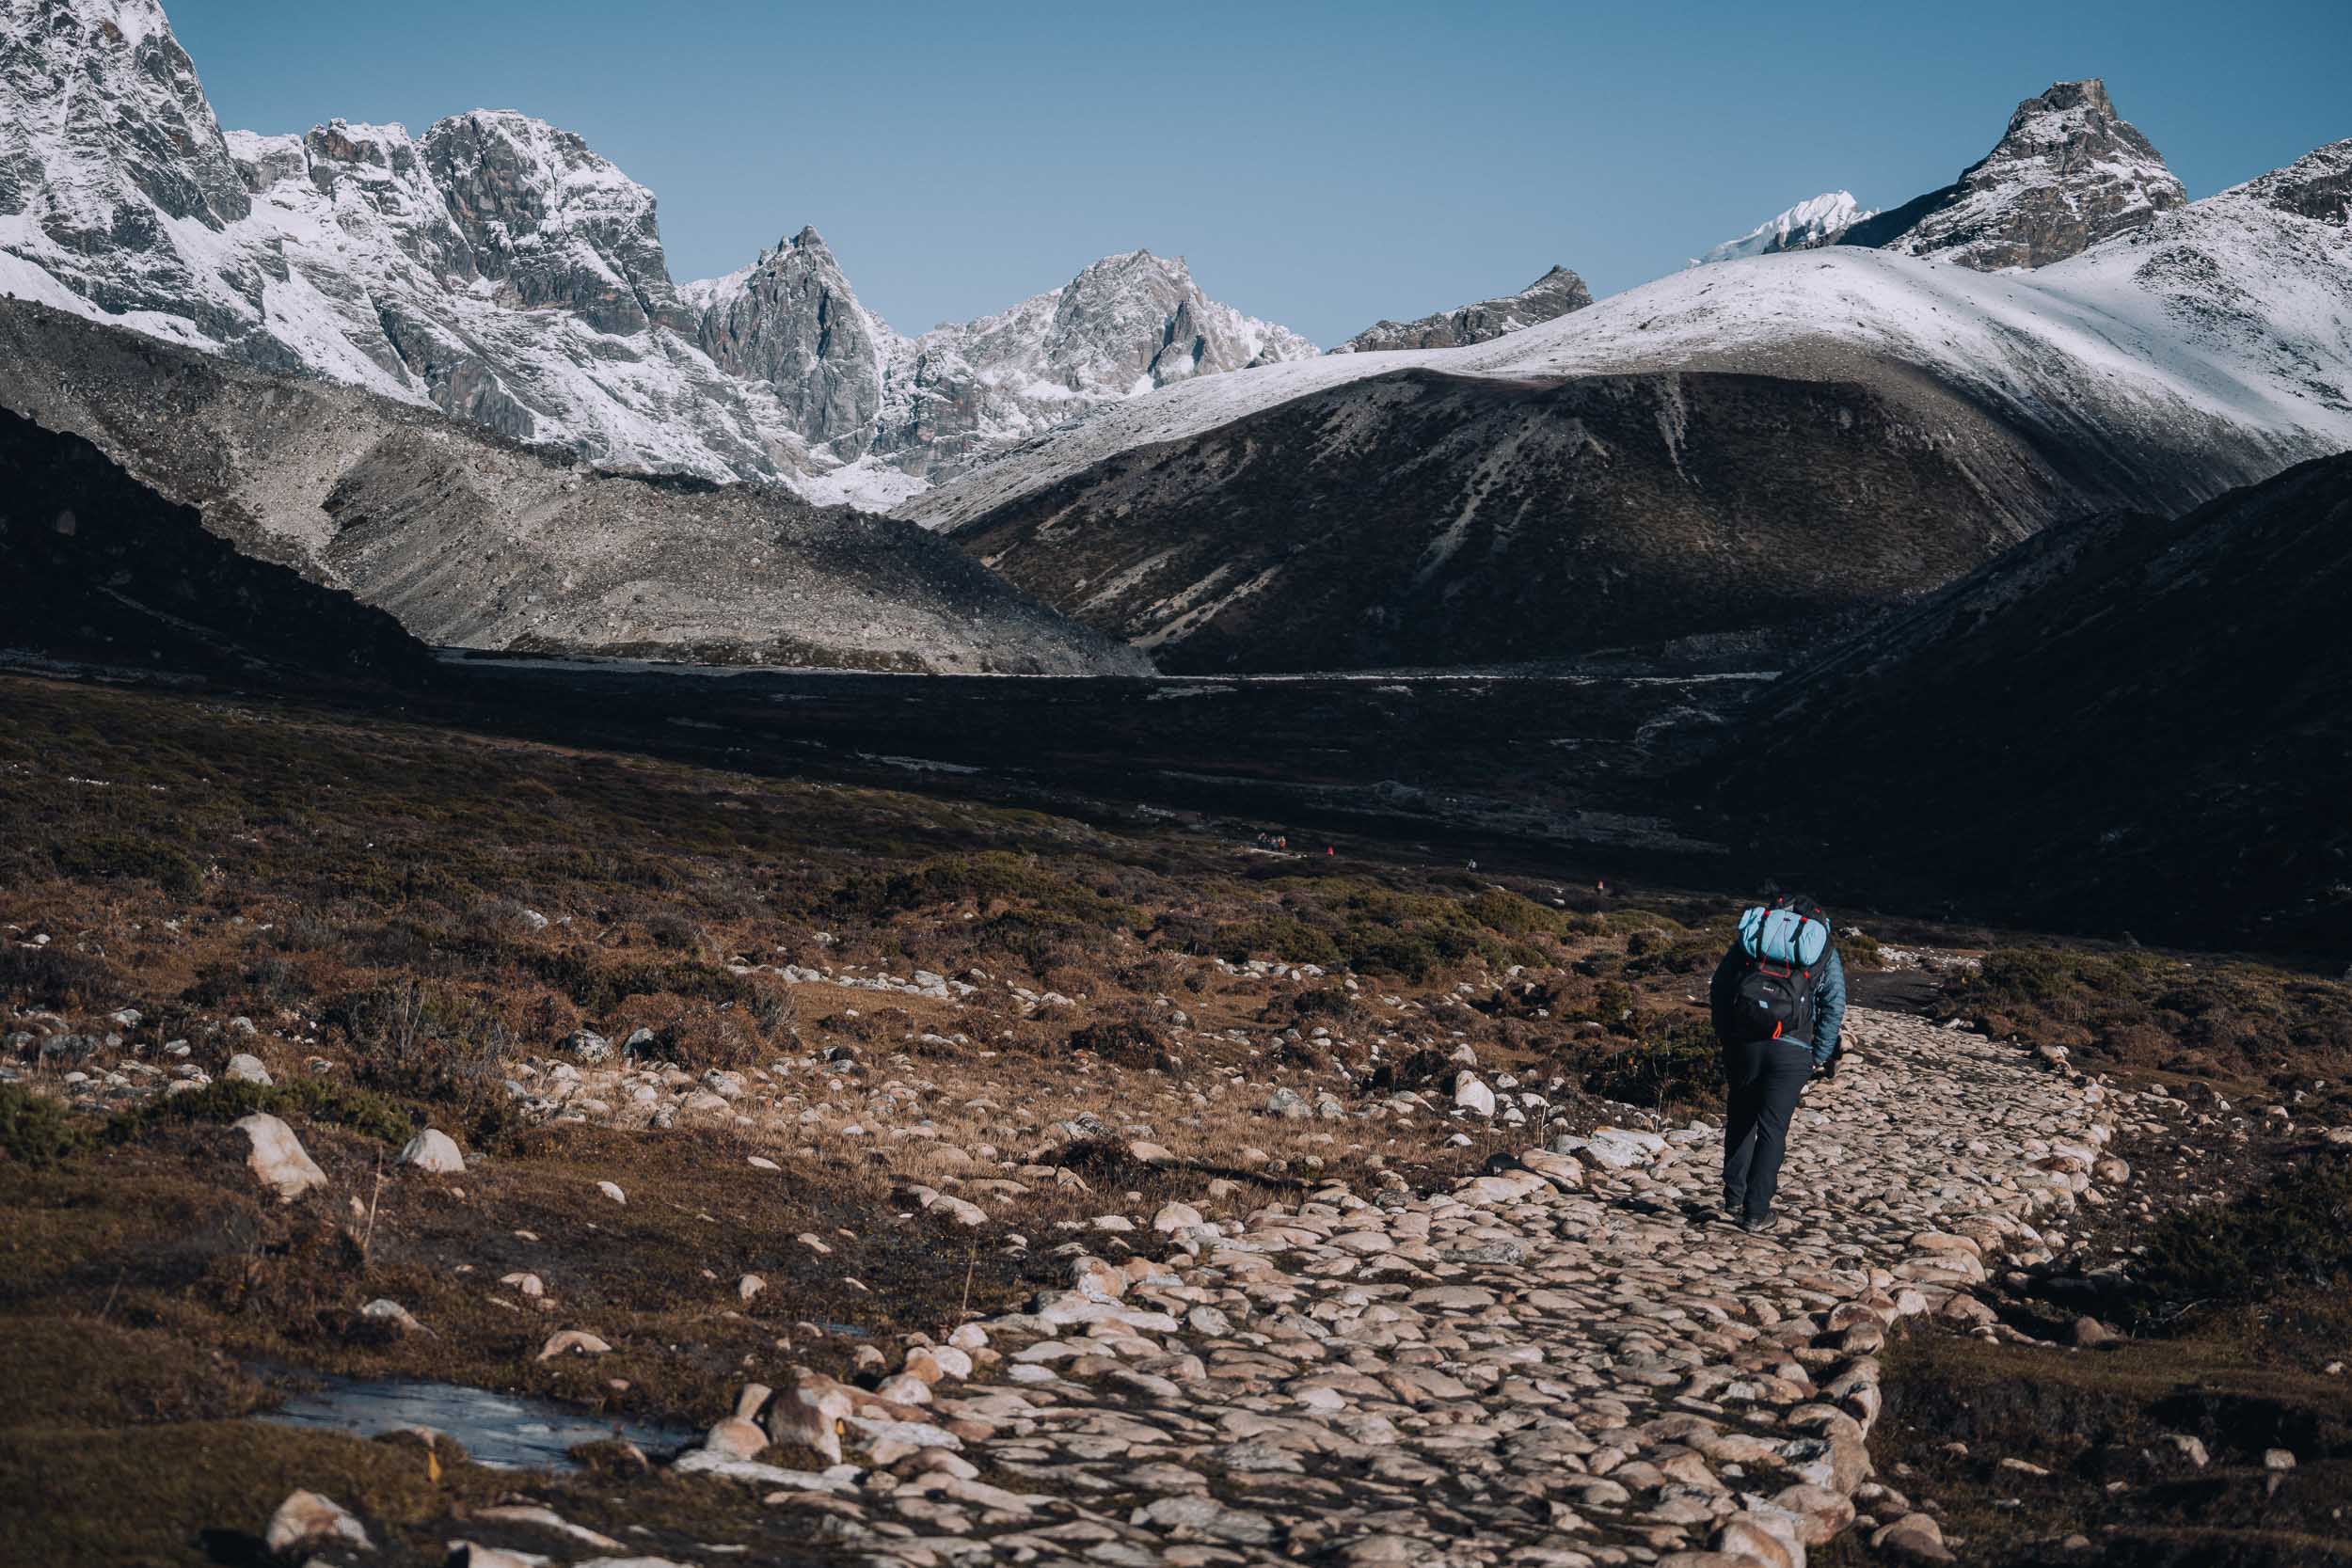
2067, 173
1555, 294
1125, 325
1822, 220
2124, 725
476, 541
2318, 186
551, 223
792, 323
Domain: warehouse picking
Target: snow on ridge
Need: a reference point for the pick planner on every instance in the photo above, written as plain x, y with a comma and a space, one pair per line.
1814, 221
2231, 309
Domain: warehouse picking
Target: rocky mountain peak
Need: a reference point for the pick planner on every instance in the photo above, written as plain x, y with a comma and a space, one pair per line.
112, 165
1125, 324
102, 96
792, 323
2317, 186
2068, 172
553, 222
1555, 294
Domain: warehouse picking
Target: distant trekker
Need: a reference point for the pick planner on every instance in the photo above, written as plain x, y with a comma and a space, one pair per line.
1779, 999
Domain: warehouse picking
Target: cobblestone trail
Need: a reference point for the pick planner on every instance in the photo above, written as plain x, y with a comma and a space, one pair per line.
1571, 1360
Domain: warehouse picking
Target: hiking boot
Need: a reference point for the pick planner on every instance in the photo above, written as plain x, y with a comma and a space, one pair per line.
1760, 1225
1735, 1207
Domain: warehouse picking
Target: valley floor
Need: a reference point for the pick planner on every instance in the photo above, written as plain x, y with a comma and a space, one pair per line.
1083, 1193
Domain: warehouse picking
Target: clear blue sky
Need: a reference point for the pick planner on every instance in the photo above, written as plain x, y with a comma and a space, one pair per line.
1320, 164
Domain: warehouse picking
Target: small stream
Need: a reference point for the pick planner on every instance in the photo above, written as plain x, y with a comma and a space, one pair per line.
508, 1431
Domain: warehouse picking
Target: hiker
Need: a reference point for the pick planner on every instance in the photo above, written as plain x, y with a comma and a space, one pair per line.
1779, 1000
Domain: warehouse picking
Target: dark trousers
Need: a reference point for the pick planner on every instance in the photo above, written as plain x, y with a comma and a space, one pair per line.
1764, 1078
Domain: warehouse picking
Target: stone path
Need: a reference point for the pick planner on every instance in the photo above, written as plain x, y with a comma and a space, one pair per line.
1570, 1361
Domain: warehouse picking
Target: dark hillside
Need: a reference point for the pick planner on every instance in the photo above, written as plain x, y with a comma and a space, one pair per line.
1428, 519
94, 564
2123, 724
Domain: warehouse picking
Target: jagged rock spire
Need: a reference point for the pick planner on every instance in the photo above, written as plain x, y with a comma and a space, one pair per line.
2067, 173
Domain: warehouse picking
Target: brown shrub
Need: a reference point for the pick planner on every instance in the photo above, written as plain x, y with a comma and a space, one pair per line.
1129, 1038
692, 1032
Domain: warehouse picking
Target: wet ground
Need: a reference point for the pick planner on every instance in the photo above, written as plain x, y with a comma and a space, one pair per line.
501, 1429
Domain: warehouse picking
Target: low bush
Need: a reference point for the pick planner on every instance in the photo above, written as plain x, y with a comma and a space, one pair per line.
132, 856
2146, 1009
1508, 912
1282, 938
434, 1042
2294, 1230
1859, 950
36, 1130
1674, 1063
1131, 1041
328, 1100
1413, 937
982, 881
692, 1032
1655, 950
1641, 920
48, 978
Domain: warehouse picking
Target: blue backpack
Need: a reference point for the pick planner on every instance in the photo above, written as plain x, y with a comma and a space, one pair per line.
1784, 946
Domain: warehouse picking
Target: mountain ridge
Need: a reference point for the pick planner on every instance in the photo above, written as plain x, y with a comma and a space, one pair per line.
2142, 374
1555, 294
496, 268
474, 539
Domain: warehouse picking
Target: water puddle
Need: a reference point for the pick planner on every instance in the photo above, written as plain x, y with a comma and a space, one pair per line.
508, 1431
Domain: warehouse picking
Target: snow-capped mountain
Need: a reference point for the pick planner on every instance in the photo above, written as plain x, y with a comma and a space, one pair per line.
115, 186
1816, 222
1126, 325
498, 268
2067, 173
1846, 425
1555, 294
2229, 318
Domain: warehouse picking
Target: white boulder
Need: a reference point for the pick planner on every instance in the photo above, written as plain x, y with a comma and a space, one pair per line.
277, 1159
434, 1151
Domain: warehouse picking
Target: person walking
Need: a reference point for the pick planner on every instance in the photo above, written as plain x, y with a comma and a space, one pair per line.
1779, 1002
